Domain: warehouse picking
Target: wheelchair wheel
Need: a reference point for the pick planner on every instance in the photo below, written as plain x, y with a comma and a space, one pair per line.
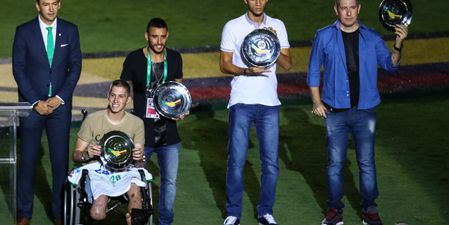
76, 207
147, 199
150, 195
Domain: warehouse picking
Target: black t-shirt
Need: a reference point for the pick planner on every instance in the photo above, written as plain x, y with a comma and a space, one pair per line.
163, 131
351, 42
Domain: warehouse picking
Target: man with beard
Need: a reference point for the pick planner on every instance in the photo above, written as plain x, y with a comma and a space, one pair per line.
253, 99
146, 68
350, 53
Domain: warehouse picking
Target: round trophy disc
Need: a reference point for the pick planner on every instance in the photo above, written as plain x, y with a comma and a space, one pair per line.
260, 48
116, 150
392, 12
172, 100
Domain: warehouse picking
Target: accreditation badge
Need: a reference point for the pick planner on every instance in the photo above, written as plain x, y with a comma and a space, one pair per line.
150, 110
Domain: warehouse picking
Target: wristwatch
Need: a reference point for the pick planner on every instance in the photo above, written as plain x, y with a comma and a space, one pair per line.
396, 48
83, 158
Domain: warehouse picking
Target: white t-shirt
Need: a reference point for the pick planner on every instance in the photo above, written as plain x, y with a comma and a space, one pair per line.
251, 89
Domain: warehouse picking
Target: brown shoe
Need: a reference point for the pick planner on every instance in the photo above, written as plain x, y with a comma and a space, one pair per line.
23, 221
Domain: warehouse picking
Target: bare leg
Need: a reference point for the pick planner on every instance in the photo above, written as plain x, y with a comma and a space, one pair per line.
98, 209
135, 201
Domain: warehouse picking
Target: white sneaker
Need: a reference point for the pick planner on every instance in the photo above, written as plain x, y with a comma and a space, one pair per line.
266, 219
231, 220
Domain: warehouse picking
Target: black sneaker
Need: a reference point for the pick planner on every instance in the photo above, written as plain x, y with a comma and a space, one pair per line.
370, 216
231, 220
333, 217
266, 219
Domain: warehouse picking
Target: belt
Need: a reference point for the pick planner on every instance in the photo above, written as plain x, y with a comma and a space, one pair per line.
332, 109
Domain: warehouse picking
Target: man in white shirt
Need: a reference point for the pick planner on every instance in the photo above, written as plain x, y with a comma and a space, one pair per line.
253, 99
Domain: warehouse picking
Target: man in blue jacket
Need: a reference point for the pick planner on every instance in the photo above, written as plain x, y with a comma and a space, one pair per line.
46, 66
350, 53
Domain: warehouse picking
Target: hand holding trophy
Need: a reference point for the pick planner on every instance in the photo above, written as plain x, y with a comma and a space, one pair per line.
260, 48
172, 100
116, 152
395, 12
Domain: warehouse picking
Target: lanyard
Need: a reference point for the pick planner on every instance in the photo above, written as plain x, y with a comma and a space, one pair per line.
149, 68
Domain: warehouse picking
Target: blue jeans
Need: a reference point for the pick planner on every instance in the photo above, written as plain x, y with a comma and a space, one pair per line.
168, 160
266, 120
362, 125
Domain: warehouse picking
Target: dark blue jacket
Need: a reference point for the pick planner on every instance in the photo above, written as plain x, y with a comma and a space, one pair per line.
30, 63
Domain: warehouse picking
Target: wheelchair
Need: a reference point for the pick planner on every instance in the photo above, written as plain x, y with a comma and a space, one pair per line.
77, 206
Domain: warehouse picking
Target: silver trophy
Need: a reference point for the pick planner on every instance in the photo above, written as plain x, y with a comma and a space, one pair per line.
260, 48
172, 100
392, 12
116, 151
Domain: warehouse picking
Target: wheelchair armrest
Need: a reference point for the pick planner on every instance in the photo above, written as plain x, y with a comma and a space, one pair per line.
142, 175
82, 183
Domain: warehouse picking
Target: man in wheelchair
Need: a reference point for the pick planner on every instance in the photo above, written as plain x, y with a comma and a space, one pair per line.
106, 181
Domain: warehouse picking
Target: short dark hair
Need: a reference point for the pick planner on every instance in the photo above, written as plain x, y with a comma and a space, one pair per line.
121, 83
337, 2
157, 22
